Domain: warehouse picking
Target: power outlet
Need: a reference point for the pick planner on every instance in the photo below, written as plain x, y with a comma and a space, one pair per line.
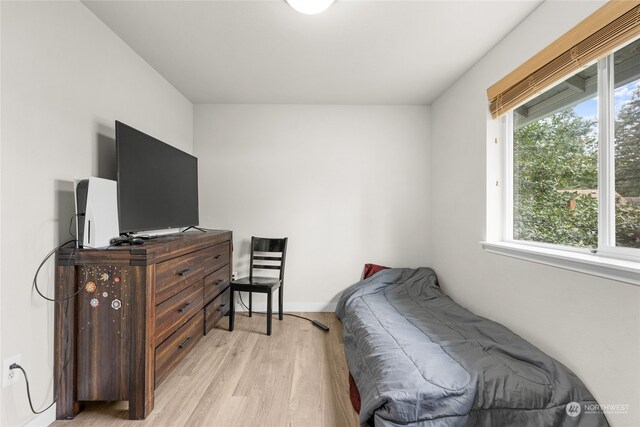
234, 276
10, 376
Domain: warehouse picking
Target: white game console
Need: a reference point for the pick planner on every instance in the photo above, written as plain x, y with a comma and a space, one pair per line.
97, 212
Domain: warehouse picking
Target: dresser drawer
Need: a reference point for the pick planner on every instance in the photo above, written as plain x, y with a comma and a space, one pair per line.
215, 257
174, 275
175, 311
215, 310
215, 283
176, 347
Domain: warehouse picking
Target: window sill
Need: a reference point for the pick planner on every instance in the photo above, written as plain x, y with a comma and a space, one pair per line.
614, 269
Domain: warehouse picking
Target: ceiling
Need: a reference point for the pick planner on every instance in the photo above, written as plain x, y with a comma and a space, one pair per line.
356, 52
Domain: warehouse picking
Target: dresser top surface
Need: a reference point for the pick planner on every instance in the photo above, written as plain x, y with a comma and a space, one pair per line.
151, 251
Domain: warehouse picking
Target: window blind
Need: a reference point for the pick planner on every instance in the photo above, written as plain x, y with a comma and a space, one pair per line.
615, 23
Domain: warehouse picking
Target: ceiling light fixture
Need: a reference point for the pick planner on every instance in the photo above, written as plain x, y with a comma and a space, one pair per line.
310, 7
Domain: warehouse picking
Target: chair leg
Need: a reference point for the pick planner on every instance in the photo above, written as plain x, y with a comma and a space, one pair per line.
232, 310
269, 312
280, 305
250, 304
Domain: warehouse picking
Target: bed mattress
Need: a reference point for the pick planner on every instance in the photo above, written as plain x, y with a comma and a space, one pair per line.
420, 359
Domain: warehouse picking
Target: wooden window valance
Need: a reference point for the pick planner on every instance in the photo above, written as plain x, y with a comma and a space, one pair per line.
615, 23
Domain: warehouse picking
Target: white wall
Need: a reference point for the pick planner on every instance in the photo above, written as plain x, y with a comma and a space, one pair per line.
65, 79
592, 325
346, 184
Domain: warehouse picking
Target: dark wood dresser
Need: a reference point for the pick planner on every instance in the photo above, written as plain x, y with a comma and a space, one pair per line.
138, 311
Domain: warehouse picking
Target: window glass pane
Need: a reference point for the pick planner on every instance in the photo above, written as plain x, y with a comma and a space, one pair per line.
627, 144
555, 164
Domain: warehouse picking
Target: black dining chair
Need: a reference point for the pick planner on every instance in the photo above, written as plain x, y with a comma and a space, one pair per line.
266, 254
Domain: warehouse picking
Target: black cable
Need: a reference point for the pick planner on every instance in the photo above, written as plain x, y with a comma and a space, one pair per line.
71, 222
26, 379
296, 315
261, 312
66, 314
46, 258
65, 311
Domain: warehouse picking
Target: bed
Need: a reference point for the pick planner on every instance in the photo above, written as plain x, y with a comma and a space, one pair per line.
419, 359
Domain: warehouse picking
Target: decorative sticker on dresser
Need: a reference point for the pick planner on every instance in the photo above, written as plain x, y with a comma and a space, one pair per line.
90, 286
108, 282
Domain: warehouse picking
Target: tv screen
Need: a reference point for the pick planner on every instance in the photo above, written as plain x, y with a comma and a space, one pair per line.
157, 183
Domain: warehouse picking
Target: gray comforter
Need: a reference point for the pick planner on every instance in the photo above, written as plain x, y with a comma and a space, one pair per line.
420, 359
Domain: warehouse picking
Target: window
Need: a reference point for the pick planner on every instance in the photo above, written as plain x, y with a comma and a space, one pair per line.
626, 110
573, 161
567, 182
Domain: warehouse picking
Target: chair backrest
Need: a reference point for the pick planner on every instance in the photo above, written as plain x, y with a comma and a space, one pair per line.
268, 254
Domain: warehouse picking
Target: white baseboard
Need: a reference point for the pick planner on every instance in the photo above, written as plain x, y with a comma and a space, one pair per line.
44, 419
292, 307
319, 307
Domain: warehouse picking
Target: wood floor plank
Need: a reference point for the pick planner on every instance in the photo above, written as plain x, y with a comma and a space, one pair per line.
191, 380
224, 382
339, 408
295, 377
275, 390
307, 397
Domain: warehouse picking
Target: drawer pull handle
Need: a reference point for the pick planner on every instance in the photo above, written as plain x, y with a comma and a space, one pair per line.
183, 272
222, 306
219, 281
184, 344
184, 307
217, 256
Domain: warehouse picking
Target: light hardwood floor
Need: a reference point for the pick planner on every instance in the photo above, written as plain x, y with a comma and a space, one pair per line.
296, 377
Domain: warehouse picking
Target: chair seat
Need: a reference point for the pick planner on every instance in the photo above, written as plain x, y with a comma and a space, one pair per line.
266, 281
259, 284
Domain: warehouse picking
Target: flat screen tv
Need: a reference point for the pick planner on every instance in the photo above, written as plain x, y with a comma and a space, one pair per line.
157, 183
